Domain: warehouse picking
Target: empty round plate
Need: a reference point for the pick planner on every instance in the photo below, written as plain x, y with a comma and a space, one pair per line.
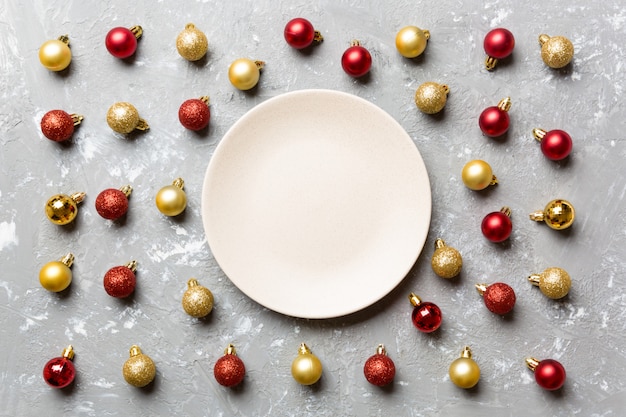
316, 204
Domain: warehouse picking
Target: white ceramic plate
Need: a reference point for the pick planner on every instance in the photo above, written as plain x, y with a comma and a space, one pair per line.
316, 204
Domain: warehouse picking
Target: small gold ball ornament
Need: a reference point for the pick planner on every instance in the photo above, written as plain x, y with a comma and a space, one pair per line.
123, 117
556, 51
477, 175
197, 300
171, 200
558, 214
244, 73
554, 282
139, 370
56, 276
431, 97
56, 54
192, 43
306, 368
411, 41
464, 371
446, 261
62, 209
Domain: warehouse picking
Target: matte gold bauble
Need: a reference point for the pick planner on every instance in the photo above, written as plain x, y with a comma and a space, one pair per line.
56, 276
244, 73
56, 54
306, 368
477, 175
464, 371
411, 41
171, 200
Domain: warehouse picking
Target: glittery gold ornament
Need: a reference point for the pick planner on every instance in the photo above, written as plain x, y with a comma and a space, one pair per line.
56, 54
56, 276
139, 370
197, 300
61, 209
477, 175
191, 43
244, 73
464, 371
306, 368
558, 214
171, 200
431, 97
556, 51
123, 117
446, 261
554, 282
411, 41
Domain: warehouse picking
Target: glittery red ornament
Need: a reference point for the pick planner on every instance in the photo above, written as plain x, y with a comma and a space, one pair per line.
120, 281
497, 225
58, 125
122, 42
229, 370
299, 33
60, 372
499, 297
379, 369
194, 113
494, 121
549, 373
356, 60
426, 316
113, 204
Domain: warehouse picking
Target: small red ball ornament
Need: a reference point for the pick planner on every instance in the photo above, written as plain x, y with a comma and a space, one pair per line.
120, 281
494, 121
356, 60
497, 225
498, 44
113, 204
122, 42
555, 144
60, 372
499, 297
229, 370
549, 374
194, 114
379, 369
426, 316
58, 125
299, 33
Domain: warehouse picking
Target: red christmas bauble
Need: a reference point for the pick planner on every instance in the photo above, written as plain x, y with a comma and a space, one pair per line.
194, 114
494, 121
57, 125
121, 42
111, 204
499, 43
499, 298
556, 145
426, 317
299, 33
59, 372
356, 61
497, 226
379, 370
120, 281
229, 370
550, 374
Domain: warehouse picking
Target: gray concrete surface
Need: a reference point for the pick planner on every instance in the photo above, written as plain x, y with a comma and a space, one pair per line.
585, 331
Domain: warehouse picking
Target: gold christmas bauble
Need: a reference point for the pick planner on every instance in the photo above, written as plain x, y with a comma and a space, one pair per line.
244, 73
139, 370
197, 300
431, 97
464, 371
56, 54
553, 282
62, 209
446, 261
558, 214
477, 175
306, 368
556, 51
56, 276
123, 117
411, 41
191, 43
171, 200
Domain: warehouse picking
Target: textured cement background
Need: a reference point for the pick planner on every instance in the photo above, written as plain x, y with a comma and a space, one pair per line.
585, 331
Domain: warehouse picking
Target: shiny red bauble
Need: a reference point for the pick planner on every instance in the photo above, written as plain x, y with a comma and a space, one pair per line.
59, 372
299, 33
119, 281
111, 204
121, 42
356, 61
379, 370
57, 125
556, 145
194, 114
426, 317
499, 43
494, 121
229, 370
499, 298
497, 226
550, 374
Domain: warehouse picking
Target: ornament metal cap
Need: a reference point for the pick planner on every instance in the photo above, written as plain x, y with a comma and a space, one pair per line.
303, 349
558, 214
466, 352
505, 104
415, 300
230, 350
68, 352
77, 118
136, 30
532, 363
126, 190
506, 210
481, 288
539, 134
132, 265
381, 349
67, 260
204, 99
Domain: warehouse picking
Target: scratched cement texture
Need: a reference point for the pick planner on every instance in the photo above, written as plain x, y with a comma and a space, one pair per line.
585, 331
